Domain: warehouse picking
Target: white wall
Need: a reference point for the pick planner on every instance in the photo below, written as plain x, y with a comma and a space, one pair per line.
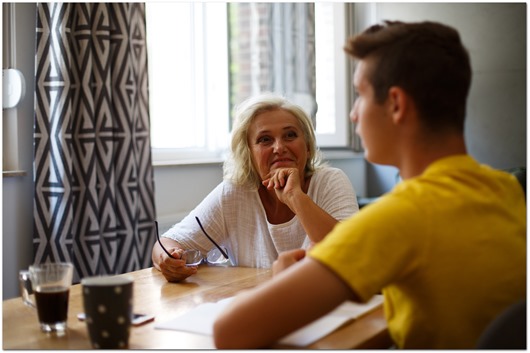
494, 33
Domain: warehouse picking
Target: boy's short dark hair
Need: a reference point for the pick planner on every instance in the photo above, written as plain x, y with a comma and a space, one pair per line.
426, 59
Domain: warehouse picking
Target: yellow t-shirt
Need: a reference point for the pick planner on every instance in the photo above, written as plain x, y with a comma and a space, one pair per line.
447, 248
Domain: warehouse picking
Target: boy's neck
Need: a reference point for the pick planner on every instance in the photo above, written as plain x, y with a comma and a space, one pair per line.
421, 155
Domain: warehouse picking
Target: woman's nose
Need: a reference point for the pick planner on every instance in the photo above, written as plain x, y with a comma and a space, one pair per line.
278, 146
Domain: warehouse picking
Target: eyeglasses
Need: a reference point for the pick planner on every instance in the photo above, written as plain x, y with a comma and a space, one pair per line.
214, 257
194, 257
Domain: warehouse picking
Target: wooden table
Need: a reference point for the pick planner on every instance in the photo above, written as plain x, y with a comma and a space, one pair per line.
154, 295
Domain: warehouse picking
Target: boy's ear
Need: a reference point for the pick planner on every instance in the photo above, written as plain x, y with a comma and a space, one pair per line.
398, 101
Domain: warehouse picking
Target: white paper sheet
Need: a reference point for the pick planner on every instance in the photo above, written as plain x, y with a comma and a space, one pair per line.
200, 320
330, 322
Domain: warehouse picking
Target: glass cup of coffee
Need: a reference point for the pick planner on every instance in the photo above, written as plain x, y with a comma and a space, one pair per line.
50, 283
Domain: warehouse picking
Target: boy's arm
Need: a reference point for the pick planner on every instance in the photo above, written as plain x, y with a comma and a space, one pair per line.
295, 297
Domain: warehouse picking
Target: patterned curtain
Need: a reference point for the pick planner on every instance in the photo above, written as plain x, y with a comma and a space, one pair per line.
94, 187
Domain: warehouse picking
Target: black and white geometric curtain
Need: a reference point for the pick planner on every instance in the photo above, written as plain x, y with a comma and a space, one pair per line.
94, 187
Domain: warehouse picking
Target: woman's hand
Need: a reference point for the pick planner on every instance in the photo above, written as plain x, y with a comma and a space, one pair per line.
175, 269
285, 182
287, 259
292, 191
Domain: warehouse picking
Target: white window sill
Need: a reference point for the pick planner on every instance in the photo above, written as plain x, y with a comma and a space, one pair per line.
13, 173
190, 161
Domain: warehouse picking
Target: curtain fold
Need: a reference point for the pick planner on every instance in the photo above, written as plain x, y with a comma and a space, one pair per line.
275, 51
94, 186
291, 49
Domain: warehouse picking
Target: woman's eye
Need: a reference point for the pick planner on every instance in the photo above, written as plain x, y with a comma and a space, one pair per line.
291, 135
264, 139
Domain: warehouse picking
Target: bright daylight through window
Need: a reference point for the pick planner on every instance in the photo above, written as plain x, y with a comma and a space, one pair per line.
191, 89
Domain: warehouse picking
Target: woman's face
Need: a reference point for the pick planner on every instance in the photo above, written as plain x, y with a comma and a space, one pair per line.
276, 140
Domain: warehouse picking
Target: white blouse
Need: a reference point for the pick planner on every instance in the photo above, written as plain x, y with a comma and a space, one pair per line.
235, 218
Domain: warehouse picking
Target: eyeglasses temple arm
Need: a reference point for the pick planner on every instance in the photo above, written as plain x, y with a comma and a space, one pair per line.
214, 243
159, 242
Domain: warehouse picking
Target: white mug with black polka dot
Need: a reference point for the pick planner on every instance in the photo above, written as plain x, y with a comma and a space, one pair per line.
108, 305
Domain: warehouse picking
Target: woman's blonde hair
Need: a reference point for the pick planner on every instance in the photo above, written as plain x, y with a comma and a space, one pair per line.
238, 166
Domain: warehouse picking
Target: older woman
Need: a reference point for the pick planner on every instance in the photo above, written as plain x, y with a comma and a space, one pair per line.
276, 195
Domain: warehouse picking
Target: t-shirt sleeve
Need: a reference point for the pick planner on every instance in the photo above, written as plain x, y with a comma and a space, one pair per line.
373, 247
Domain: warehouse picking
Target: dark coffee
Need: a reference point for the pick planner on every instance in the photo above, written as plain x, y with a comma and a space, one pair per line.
52, 304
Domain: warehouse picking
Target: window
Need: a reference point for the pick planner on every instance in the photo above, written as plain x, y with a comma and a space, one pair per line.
188, 79
333, 79
203, 59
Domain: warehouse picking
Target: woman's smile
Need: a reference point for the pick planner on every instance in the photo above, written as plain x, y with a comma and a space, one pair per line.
283, 162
